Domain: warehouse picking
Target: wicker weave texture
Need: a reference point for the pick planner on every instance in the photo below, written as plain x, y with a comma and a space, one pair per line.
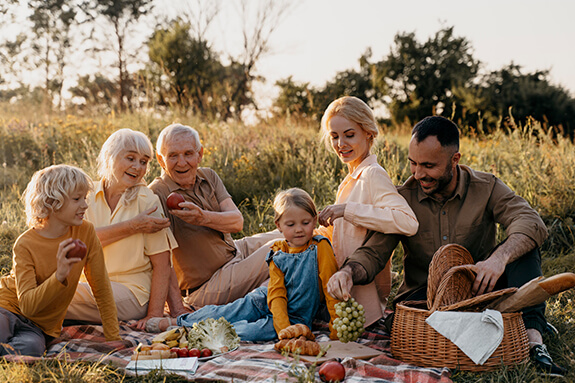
415, 342
444, 259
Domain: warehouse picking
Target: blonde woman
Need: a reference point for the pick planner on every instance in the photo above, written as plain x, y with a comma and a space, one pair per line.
366, 199
134, 233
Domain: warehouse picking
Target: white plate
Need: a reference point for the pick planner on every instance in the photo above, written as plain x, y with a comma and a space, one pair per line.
203, 359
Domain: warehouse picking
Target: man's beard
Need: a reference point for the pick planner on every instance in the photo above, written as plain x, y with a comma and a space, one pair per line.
440, 183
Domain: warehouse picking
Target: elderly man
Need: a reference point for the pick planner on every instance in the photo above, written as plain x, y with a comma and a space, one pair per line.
210, 266
456, 204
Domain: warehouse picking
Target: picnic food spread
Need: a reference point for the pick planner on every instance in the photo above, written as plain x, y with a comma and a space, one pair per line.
297, 338
204, 339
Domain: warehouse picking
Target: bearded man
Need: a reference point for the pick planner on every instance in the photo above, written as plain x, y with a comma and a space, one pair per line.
456, 204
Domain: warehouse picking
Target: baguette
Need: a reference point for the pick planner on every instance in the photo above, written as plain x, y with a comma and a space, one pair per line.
300, 345
153, 354
558, 283
295, 331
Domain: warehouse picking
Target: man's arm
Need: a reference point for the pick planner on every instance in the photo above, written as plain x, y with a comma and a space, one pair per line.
491, 269
228, 220
364, 264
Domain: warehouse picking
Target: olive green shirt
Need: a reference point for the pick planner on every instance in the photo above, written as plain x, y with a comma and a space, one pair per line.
469, 218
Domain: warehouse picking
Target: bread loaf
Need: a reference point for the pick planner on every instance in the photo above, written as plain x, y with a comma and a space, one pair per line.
558, 283
295, 331
300, 345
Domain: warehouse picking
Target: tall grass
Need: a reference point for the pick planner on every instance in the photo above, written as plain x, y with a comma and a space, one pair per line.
256, 161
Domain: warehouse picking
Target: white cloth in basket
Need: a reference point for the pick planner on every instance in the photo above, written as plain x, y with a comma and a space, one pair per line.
476, 334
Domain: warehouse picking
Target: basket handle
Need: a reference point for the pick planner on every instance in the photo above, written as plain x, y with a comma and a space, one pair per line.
470, 270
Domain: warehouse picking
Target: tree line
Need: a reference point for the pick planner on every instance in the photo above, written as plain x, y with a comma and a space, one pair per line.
176, 66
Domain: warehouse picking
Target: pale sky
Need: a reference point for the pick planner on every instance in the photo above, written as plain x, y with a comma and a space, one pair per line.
322, 37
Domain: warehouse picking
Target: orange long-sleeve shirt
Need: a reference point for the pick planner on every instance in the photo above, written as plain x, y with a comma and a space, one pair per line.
32, 290
277, 295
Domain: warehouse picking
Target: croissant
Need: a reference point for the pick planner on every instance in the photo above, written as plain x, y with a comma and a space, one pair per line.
299, 345
296, 330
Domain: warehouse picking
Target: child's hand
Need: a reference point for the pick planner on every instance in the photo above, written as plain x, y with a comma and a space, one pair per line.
64, 265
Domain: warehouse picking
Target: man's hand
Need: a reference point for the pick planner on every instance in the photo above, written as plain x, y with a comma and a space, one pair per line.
340, 284
330, 213
148, 224
191, 213
488, 273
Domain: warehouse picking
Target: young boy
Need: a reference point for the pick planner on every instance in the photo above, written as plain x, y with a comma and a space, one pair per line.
35, 295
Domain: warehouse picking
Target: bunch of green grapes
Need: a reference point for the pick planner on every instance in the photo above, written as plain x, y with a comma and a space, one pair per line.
350, 320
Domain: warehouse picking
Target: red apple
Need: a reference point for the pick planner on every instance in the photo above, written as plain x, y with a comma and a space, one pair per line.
78, 251
194, 352
174, 200
332, 371
206, 352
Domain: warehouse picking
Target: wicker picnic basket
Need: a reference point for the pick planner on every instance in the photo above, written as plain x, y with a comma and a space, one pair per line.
415, 342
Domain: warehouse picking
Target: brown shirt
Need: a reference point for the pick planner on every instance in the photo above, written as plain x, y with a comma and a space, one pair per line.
201, 250
469, 218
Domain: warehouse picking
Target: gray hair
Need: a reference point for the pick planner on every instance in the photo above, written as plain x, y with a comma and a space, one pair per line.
171, 131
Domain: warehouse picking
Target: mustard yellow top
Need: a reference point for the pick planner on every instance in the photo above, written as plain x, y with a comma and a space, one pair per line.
128, 260
32, 290
277, 297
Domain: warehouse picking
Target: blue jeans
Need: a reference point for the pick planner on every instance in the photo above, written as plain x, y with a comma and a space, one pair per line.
19, 336
249, 315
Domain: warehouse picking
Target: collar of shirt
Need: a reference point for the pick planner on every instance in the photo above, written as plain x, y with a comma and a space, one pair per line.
172, 186
369, 160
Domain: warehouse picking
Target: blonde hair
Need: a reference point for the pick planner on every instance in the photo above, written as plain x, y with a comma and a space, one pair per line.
354, 110
173, 130
294, 197
116, 145
48, 190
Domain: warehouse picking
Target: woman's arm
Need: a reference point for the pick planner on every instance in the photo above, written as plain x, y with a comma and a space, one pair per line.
161, 272
228, 220
144, 222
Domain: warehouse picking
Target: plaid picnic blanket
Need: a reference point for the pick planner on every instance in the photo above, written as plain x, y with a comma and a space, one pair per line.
251, 362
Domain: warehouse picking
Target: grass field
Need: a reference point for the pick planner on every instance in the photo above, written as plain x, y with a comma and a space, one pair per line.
256, 161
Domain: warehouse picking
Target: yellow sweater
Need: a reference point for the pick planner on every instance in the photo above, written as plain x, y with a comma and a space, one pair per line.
277, 295
32, 290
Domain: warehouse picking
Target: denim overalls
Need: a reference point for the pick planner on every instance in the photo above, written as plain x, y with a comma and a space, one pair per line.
251, 316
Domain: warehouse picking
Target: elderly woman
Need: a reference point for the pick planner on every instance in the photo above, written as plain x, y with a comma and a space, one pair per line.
366, 199
134, 233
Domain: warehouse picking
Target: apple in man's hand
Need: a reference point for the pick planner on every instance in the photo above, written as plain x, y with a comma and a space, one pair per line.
78, 251
174, 200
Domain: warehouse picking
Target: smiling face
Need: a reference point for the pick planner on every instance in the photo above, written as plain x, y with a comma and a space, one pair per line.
349, 141
181, 160
129, 168
72, 211
434, 167
297, 225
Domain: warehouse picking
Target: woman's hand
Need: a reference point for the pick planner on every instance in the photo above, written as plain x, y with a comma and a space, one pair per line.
64, 265
147, 223
340, 284
330, 213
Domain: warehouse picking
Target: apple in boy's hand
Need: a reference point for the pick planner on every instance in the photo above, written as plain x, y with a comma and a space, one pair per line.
174, 200
78, 251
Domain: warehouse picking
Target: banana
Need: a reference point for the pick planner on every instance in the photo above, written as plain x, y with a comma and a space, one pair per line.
172, 343
166, 336
177, 333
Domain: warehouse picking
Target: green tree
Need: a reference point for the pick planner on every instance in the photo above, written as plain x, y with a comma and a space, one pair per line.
294, 99
511, 94
52, 22
122, 15
419, 78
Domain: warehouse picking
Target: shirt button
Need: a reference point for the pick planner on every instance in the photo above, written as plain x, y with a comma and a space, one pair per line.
445, 237
443, 212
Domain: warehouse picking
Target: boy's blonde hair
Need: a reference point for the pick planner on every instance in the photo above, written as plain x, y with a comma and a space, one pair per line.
294, 197
354, 110
48, 190
119, 142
